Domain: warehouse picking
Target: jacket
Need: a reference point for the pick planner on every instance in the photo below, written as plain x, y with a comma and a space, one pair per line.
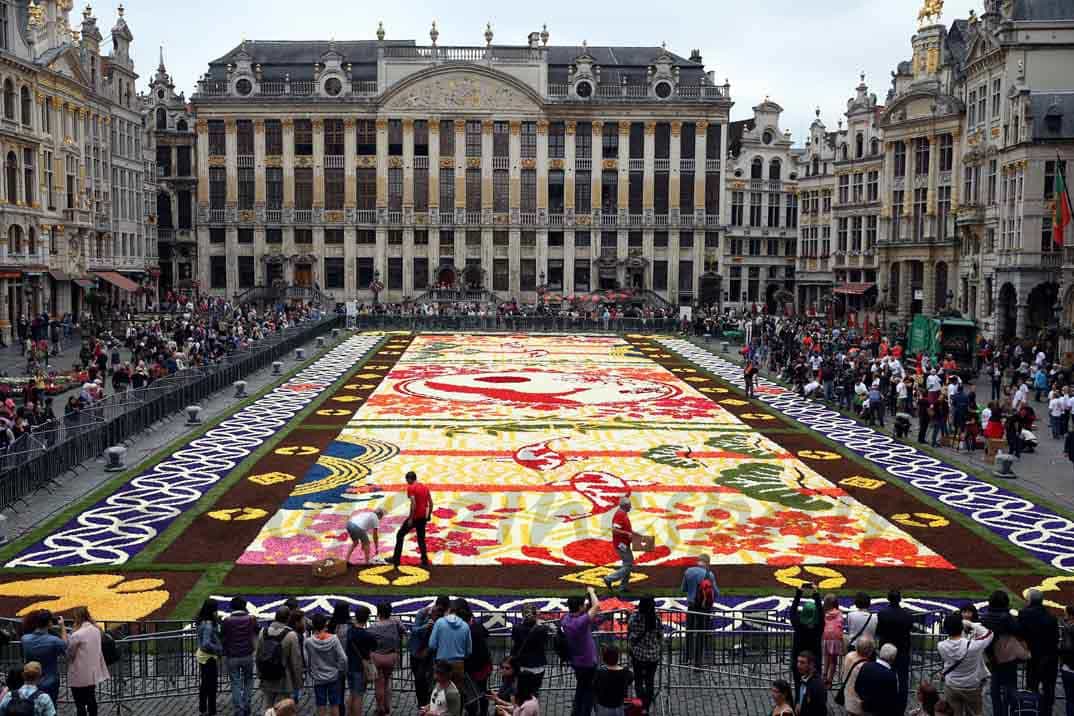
893, 626
878, 688
208, 639
238, 633
814, 702
451, 639
85, 660
325, 657
292, 659
1040, 629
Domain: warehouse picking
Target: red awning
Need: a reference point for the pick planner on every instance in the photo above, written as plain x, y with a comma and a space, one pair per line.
854, 289
121, 282
85, 283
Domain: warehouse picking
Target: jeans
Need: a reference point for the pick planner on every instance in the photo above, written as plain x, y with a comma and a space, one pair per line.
622, 575
583, 690
937, 430
1040, 677
644, 678
1068, 690
400, 537
240, 670
1056, 428
85, 698
209, 672
697, 623
1004, 688
422, 668
1014, 445
996, 385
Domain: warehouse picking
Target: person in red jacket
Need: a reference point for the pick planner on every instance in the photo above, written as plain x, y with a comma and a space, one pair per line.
421, 511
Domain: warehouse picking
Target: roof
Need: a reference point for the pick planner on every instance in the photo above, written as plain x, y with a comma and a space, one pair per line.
279, 57
1043, 10
735, 130
1045, 107
958, 41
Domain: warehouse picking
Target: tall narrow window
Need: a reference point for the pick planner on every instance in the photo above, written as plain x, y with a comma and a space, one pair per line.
473, 190
29, 161
447, 140
246, 188
473, 138
583, 192
421, 143
529, 191
556, 140
244, 137
921, 156
395, 189
217, 138
447, 189
900, 159
27, 106
501, 139
947, 152
395, 137
334, 188
366, 180
529, 140
303, 137
501, 191
5, 37
333, 137
217, 188
421, 189
274, 188
303, 188
583, 140
609, 140
273, 137
366, 131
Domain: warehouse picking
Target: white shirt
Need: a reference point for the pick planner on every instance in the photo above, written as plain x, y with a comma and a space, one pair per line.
1040, 358
1019, 396
856, 620
365, 520
970, 670
1057, 406
933, 383
986, 415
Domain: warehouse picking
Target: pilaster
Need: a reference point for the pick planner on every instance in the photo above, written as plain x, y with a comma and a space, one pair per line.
673, 171
700, 164
516, 191
460, 171
288, 129
648, 182
568, 182
486, 176
318, 163
408, 182
232, 139
434, 180
382, 175
260, 189
542, 171
350, 170
595, 176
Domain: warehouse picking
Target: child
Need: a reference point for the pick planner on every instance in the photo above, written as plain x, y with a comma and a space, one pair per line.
832, 638
610, 684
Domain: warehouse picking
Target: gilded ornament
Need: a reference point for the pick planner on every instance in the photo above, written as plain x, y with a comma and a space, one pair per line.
395, 162
218, 161
624, 126
529, 163
349, 123
650, 128
460, 126
487, 126
447, 163
702, 125
367, 162
317, 124
287, 123
555, 164
274, 160
610, 163
516, 127
202, 125
676, 129
542, 126
570, 127
408, 124
473, 162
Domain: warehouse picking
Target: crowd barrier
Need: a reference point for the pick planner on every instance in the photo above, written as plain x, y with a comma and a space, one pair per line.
732, 654
512, 324
37, 458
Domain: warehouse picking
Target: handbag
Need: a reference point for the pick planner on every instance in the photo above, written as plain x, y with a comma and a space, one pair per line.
1010, 648
840, 695
852, 641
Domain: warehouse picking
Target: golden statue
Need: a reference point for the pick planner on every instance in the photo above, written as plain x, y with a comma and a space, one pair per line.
930, 13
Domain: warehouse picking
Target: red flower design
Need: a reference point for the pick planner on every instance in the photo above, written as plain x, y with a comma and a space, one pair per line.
459, 543
726, 543
877, 552
792, 523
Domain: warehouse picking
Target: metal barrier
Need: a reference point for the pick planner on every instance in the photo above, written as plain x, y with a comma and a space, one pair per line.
37, 458
737, 654
521, 324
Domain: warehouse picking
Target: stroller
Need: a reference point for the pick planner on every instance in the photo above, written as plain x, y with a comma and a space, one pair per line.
902, 425
1029, 441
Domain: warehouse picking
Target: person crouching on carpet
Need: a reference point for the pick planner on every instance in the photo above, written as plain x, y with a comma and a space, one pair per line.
360, 526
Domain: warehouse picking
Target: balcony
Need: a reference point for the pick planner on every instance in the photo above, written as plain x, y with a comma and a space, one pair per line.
528, 218
366, 216
686, 165
583, 164
395, 217
364, 88
244, 161
333, 161
555, 219
23, 258
686, 219
712, 219
421, 162
636, 165
636, 220
661, 220
447, 218
662, 165
557, 90
607, 219
501, 163
99, 263
303, 216
273, 216
217, 216
473, 218
712, 165
165, 235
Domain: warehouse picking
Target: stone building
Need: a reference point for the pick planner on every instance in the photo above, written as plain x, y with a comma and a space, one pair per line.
70, 203
816, 187
760, 245
381, 169
173, 154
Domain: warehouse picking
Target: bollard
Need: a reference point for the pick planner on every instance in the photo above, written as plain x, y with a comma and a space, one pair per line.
320, 341
335, 333
115, 458
300, 354
240, 388
192, 415
1003, 466
276, 366
725, 347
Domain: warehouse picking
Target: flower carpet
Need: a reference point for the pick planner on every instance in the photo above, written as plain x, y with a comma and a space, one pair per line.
527, 443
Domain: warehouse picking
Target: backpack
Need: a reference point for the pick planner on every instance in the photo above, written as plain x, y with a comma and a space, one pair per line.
109, 648
20, 705
705, 596
270, 665
560, 645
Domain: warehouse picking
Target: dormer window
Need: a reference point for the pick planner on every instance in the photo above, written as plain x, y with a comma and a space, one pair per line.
244, 87
1053, 119
333, 87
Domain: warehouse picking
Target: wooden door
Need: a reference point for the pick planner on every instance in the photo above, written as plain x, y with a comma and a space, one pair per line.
303, 275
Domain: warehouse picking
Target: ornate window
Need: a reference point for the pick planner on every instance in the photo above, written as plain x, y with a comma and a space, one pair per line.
9, 99
27, 105
162, 118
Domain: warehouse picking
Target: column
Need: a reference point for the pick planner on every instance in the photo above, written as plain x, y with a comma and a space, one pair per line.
408, 235
568, 256
1021, 319
673, 172
318, 163
260, 188
928, 302
434, 180
460, 175
648, 181
408, 180
568, 180
724, 210
232, 163
382, 173
350, 170
542, 172
288, 128
202, 128
516, 189
624, 167
598, 164
514, 259
673, 266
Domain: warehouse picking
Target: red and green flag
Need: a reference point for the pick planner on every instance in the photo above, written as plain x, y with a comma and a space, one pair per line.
1062, 211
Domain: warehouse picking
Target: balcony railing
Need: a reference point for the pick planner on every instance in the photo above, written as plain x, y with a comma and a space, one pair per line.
99, 262
528, 218
244, 161
555, 219
686, 165
583, 164
463, 54
364, 87
272, 89
557, 90
303, 216
660, 219
501, 163
274, 216
23, 258
165, 234
447, 218
421, 162
395, 217
217, 216
662, 165
609, 219
473, 218
303, 88
636, 219
712, 165
367, 216
636, 165
333, 161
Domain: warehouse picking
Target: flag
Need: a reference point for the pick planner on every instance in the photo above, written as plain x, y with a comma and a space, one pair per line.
1061, 212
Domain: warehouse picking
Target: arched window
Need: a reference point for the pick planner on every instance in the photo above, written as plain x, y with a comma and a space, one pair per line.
162, 118
874, 147
859, 146
14, 240
775, 170
757, 169
844, 152
26, 105
9, 99
181, 125
11, 176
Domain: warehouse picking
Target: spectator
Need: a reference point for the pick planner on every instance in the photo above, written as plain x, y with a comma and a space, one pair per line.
528, 641
1004, 650
893, 626
210, 649
509, 675
389, 634
30, 691
326, 661
85, 662
421, 659
878, 684
782, 698
359, 647
525, 701
577, 626
812, 699
832, 639
451, 642
12, 682
963, 663
860, 621
852, 666
478, 664
45, 649
445, 699
700, 598
808, 627
279, 659
339, 624
927, 698
237, 633
287, 707
1039, 628
610, 684
646, 636
1066, 652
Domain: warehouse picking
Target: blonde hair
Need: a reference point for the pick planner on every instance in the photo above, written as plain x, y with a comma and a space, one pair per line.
286, 707
31, 671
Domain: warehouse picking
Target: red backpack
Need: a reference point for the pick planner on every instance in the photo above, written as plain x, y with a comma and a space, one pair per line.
705, 596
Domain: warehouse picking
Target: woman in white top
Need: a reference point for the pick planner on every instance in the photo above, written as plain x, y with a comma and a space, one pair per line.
860, 621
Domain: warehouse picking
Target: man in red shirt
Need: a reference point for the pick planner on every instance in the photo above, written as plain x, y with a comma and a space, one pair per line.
622, 532
421, 511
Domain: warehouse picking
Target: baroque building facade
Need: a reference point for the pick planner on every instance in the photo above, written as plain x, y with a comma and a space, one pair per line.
380, 169
70, 204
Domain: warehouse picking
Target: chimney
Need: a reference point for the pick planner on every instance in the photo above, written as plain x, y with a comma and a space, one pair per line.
695, 56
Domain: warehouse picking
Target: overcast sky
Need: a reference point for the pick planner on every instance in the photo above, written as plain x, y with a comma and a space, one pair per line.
800, 53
